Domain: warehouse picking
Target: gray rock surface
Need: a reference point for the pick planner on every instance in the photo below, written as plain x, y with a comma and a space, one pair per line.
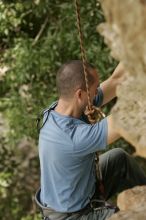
132, 204
125, 33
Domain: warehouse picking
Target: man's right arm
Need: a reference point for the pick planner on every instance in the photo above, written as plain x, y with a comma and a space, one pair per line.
109, 86
113, 134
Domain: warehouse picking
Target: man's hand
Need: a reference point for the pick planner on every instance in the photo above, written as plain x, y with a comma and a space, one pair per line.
109, 86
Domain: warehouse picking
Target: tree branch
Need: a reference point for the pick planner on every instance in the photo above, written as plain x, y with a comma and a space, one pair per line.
40, 31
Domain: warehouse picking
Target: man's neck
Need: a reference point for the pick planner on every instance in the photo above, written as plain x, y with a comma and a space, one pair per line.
67, 108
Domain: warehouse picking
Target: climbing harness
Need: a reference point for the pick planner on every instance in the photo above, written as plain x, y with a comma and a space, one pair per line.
50, 214
39, 123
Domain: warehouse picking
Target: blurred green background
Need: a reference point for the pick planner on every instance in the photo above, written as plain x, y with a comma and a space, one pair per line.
36, 37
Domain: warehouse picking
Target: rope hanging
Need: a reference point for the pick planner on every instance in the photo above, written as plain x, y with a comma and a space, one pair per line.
94, 114
83, 53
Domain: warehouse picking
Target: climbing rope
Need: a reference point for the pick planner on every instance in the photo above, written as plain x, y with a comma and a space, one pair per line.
83, 53
93, 113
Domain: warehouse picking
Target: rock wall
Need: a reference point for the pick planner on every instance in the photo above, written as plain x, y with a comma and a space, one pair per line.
125, 33
132, 199
132, 203
129, 215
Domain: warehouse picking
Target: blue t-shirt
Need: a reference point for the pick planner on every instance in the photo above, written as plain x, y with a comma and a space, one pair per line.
67, 149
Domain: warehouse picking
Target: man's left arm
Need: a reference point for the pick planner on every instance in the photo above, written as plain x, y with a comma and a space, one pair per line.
109, 86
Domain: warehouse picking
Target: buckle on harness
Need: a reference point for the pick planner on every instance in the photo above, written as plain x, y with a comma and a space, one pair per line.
97, 204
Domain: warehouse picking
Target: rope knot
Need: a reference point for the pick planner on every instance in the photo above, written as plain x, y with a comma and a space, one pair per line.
94, 114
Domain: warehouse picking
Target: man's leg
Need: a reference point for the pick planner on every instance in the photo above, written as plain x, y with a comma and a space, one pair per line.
119, 172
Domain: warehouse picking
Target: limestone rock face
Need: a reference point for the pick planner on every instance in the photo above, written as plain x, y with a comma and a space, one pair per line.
130, 112
129, 215
125, 33
132, 203
132, 199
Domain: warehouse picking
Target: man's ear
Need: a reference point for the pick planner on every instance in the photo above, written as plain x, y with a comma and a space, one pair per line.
79, 94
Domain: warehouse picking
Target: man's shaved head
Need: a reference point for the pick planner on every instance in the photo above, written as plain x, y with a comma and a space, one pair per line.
70, 77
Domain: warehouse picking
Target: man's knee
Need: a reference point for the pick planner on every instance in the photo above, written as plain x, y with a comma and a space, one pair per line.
114, 156
118, 153
119, 157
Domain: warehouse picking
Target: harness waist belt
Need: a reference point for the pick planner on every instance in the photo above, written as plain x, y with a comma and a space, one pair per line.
52, 214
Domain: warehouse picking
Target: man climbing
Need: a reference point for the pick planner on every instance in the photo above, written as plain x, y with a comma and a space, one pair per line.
70, 188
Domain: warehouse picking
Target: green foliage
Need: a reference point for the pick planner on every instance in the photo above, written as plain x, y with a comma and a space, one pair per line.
33, 62
37, 36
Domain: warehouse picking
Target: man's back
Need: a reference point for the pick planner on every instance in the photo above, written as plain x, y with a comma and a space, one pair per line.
66, 150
